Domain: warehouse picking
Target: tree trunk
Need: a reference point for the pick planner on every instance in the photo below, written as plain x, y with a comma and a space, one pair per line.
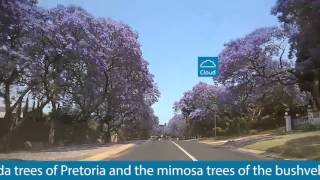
8, 120
107, 133
108, 120
52, 132
8, 133
52, 125
316, 94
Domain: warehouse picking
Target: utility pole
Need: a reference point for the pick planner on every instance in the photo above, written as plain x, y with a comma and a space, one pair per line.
215, 125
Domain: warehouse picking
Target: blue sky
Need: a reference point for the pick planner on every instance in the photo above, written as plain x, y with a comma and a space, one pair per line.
173, 33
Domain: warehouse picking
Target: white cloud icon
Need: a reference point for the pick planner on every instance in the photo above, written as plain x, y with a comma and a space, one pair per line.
207, 64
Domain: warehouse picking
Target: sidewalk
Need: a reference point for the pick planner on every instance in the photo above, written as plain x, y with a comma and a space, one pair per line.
76, 153
237, 141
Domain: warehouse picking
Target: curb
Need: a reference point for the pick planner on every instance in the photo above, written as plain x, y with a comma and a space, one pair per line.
251, 151
109, 153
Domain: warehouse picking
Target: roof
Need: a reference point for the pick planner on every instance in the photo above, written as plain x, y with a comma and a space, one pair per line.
2, 109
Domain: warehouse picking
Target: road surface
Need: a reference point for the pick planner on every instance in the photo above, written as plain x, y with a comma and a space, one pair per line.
181, 151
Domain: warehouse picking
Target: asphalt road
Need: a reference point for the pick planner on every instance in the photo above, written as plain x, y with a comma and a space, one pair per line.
181, 151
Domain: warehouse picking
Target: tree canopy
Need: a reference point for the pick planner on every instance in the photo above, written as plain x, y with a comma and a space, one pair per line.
70, 63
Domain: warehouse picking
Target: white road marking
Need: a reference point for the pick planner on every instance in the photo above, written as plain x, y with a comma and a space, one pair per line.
183, 150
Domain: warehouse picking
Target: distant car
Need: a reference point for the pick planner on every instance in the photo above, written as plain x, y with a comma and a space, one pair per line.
153, 138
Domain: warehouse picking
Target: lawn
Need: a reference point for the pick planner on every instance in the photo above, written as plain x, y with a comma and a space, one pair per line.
299, 145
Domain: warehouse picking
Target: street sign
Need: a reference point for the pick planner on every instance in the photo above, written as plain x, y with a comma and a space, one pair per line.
208, 66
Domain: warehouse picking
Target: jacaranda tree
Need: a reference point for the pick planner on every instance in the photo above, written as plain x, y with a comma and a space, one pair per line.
74, 66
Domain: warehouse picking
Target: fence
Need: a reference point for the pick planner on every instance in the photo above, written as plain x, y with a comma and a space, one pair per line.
302, 121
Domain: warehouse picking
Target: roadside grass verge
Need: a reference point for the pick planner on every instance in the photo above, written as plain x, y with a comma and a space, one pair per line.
299, 145
236, 136
305, 148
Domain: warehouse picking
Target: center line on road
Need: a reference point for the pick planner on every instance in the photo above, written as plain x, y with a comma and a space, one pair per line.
183, 150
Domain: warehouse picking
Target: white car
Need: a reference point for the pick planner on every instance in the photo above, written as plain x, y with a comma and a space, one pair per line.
153, 138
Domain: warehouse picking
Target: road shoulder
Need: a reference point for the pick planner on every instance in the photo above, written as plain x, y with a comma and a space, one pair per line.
71, 153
